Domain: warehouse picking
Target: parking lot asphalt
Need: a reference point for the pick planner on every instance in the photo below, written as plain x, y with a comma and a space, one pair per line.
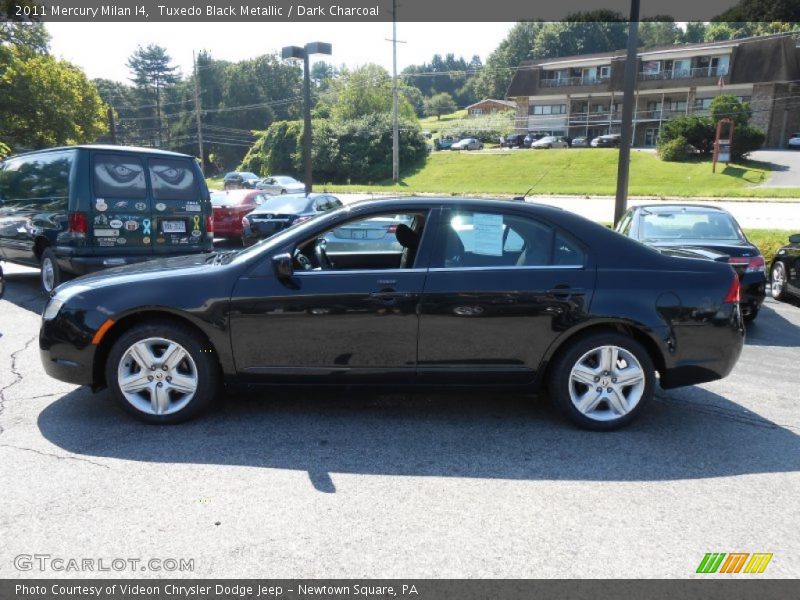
324, 484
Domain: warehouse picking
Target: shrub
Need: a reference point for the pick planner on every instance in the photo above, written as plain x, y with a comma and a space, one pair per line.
697, 131
486, 128
746, 139
674, 150
357, 150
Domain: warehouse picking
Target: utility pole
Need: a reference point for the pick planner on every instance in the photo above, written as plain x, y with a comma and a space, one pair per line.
112, 126
624, 165
395, 118
197, 110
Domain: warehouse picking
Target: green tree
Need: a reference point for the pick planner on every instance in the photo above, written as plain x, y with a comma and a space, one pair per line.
366, 90
153, 72
659, 31
32, 36
493, 80
694, 32
47, 102
440, 104
730, 107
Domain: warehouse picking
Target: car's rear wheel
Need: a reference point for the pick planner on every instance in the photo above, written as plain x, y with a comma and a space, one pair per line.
162, 372
778, 281
51, 274
601, 382
283, 192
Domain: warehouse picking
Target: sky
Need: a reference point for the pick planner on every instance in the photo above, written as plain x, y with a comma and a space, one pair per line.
102, 49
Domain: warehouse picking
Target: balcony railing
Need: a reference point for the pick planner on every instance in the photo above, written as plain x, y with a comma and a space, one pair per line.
570, 81
684, 73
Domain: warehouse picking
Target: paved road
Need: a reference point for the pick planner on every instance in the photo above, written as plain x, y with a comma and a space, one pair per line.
786, 167
314, 485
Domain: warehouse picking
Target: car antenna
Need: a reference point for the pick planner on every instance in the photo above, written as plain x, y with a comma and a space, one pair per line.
525, 195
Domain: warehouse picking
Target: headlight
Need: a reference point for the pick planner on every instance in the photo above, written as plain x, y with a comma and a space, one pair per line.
57, 301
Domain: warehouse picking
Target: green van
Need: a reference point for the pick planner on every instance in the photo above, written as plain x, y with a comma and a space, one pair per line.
77, 209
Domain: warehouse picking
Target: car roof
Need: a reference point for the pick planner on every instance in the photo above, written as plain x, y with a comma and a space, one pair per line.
667, 208
109, 147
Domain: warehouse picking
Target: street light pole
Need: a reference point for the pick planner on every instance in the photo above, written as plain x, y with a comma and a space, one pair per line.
306, 124
303, 54
624, 165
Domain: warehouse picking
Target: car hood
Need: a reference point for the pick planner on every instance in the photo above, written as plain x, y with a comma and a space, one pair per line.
714, 249
151, 270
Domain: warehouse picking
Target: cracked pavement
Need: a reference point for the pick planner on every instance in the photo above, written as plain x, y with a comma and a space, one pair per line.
323, 484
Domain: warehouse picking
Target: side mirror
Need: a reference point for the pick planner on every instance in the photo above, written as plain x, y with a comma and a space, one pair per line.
794, 239
284, 267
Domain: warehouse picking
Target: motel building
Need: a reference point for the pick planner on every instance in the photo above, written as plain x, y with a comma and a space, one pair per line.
582, 95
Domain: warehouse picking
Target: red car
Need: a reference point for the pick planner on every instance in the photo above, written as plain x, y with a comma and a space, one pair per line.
229, 208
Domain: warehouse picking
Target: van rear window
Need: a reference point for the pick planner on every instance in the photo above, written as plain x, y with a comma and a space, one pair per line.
119, 177
173, 179
36, 178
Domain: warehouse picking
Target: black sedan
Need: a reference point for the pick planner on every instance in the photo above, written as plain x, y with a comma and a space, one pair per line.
703, 232
237, 180
785, 270
479, 292
277, 213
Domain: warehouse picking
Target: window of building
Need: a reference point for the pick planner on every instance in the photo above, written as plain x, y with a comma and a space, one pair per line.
550, 109
605, 71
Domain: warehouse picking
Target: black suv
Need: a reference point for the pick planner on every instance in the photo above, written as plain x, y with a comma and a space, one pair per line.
79, 209
515, 140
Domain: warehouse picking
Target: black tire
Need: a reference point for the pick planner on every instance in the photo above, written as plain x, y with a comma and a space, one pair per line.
205, 362
283, 192
50, 273
750, 316
778, 294
559, 378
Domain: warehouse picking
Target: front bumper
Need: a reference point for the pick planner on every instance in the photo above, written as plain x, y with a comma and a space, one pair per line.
66, 352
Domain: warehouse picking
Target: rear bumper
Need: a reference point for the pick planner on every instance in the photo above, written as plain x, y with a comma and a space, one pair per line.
82, 265
704, 350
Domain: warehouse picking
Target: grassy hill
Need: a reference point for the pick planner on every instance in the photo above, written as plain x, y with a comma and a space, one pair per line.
574, 172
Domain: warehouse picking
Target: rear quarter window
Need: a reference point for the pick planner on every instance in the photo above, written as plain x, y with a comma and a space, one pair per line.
118, 176
173, 179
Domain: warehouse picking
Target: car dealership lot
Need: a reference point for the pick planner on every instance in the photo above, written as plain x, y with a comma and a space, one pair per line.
321, 483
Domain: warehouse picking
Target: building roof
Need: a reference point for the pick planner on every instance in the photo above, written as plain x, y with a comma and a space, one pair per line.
507, 103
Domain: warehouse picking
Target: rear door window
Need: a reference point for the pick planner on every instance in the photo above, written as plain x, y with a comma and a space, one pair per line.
119, 176
173, 179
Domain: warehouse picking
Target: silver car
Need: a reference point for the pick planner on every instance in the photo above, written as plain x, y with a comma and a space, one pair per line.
550, 141
372, 236
468, 144
281, 184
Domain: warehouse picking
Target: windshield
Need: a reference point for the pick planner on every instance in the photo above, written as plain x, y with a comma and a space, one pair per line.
280, 179
285, 205
549, 138
711, 225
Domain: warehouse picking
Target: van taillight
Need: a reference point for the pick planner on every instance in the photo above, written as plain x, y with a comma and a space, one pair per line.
210, 224
732, 297
78, 223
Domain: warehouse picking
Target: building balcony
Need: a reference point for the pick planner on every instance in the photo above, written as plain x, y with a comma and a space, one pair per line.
572, 81
697, 72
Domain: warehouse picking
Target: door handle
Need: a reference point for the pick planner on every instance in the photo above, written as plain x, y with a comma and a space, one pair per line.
564, 291
389, 296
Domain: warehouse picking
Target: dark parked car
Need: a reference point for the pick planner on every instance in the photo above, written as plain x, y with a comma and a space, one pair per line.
482, 292
606, 141
515, 140
78, 209
240, 180
444, 143
277, 213
785, 270
706, 232
230, 207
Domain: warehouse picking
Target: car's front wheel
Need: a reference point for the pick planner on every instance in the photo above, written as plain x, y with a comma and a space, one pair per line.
778, 281
602, 381
162, 372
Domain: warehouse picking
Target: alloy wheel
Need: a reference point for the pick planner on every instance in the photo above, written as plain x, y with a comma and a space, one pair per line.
778, 282
606, 383
157, 376
48, 274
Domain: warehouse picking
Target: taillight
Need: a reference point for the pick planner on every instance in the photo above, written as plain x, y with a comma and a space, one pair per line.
78, 223
210, 224
245, 222
732, 297
392, 228
755, 264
